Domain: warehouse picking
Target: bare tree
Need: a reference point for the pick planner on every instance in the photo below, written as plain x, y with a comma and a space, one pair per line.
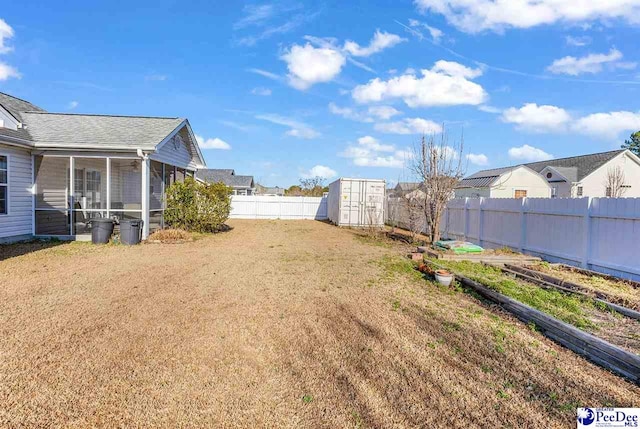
313, 186
614, 182
439, 166
414, 202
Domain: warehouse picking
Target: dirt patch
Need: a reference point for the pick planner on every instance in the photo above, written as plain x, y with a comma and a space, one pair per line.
272, 324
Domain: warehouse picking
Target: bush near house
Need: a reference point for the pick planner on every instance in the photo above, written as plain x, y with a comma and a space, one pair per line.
196, 206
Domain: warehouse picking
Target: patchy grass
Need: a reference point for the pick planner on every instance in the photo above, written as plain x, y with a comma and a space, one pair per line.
572, 309
619, 292
228, 331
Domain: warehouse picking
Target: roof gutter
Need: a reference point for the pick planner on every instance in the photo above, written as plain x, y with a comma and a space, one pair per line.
15, 141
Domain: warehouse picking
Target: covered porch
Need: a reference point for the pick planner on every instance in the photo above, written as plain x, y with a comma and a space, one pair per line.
71, 190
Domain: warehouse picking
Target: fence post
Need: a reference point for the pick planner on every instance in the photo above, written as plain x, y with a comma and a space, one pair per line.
586, 234
523, 225
465, 231
480, 220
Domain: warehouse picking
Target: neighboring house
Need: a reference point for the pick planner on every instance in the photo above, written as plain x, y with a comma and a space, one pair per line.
402, 189
572, 177
58, 170
274, 191
509, 182
242, 185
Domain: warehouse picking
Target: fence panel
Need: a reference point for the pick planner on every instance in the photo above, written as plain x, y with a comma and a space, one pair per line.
602, 234
272, 207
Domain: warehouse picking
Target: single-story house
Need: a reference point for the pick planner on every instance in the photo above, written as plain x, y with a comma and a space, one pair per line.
60, 170
272, 191
571, 177
241, 185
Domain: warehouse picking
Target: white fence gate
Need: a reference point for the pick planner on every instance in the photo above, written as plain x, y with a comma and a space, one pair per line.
271, 207
602, 234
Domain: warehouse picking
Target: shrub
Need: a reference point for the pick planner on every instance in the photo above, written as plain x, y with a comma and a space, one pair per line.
196, 206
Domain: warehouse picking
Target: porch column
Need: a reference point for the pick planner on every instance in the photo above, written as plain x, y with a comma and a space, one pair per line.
146, 173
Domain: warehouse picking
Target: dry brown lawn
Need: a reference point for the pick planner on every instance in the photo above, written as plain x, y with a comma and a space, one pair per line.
272, 324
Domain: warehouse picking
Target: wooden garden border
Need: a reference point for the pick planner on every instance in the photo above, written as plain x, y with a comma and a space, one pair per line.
607, 355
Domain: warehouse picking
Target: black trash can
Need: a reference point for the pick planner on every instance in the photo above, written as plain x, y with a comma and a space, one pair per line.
101, 230
130, 231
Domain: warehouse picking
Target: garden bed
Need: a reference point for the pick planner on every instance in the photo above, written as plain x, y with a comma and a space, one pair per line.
612, 289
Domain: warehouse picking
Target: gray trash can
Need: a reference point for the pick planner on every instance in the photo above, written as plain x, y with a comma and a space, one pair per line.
130, 231
101, 230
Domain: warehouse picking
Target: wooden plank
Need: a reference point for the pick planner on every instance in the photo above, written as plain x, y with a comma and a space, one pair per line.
591, 347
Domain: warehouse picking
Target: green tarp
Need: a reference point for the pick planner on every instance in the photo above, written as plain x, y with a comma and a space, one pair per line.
459, 247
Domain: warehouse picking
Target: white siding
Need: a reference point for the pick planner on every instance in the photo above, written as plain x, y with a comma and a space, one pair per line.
179, 156
594, 184
521, 178
19, 221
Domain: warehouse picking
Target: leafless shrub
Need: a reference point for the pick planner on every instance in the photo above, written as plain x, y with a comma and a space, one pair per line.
614, 182
439, 166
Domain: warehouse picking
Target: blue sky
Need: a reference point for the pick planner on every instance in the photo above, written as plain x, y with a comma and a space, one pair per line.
287, 89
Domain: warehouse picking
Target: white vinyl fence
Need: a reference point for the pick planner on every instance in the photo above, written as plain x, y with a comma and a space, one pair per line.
602, 234
271, 207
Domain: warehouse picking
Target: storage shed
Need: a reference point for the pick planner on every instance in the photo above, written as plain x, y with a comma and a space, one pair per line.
356, 202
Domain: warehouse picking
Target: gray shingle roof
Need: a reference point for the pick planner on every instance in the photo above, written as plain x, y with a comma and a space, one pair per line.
585, 164
407, 186
574, 168
226, 176
97, 131
16, 107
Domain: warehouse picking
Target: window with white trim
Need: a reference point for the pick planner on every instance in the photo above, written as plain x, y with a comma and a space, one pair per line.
4, 184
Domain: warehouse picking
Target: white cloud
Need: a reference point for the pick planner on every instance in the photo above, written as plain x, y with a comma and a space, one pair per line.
446, 84
549, 119
608, 125
6, 71
373, 144
255, 15
478, 159
409, 126
379, 42
370, 152
489, 109
261, 91
592, 63
296, 129
265, 73
6, 32
320, 171
72, 105
214, 143
435, 33
349, 113
528, 153
532, 117
577, 40
383, 112
309, 65
473, 16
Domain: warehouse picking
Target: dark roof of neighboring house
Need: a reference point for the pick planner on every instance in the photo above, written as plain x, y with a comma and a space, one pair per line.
584, 164
484, 178
226, 176
574, 168
407, 186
